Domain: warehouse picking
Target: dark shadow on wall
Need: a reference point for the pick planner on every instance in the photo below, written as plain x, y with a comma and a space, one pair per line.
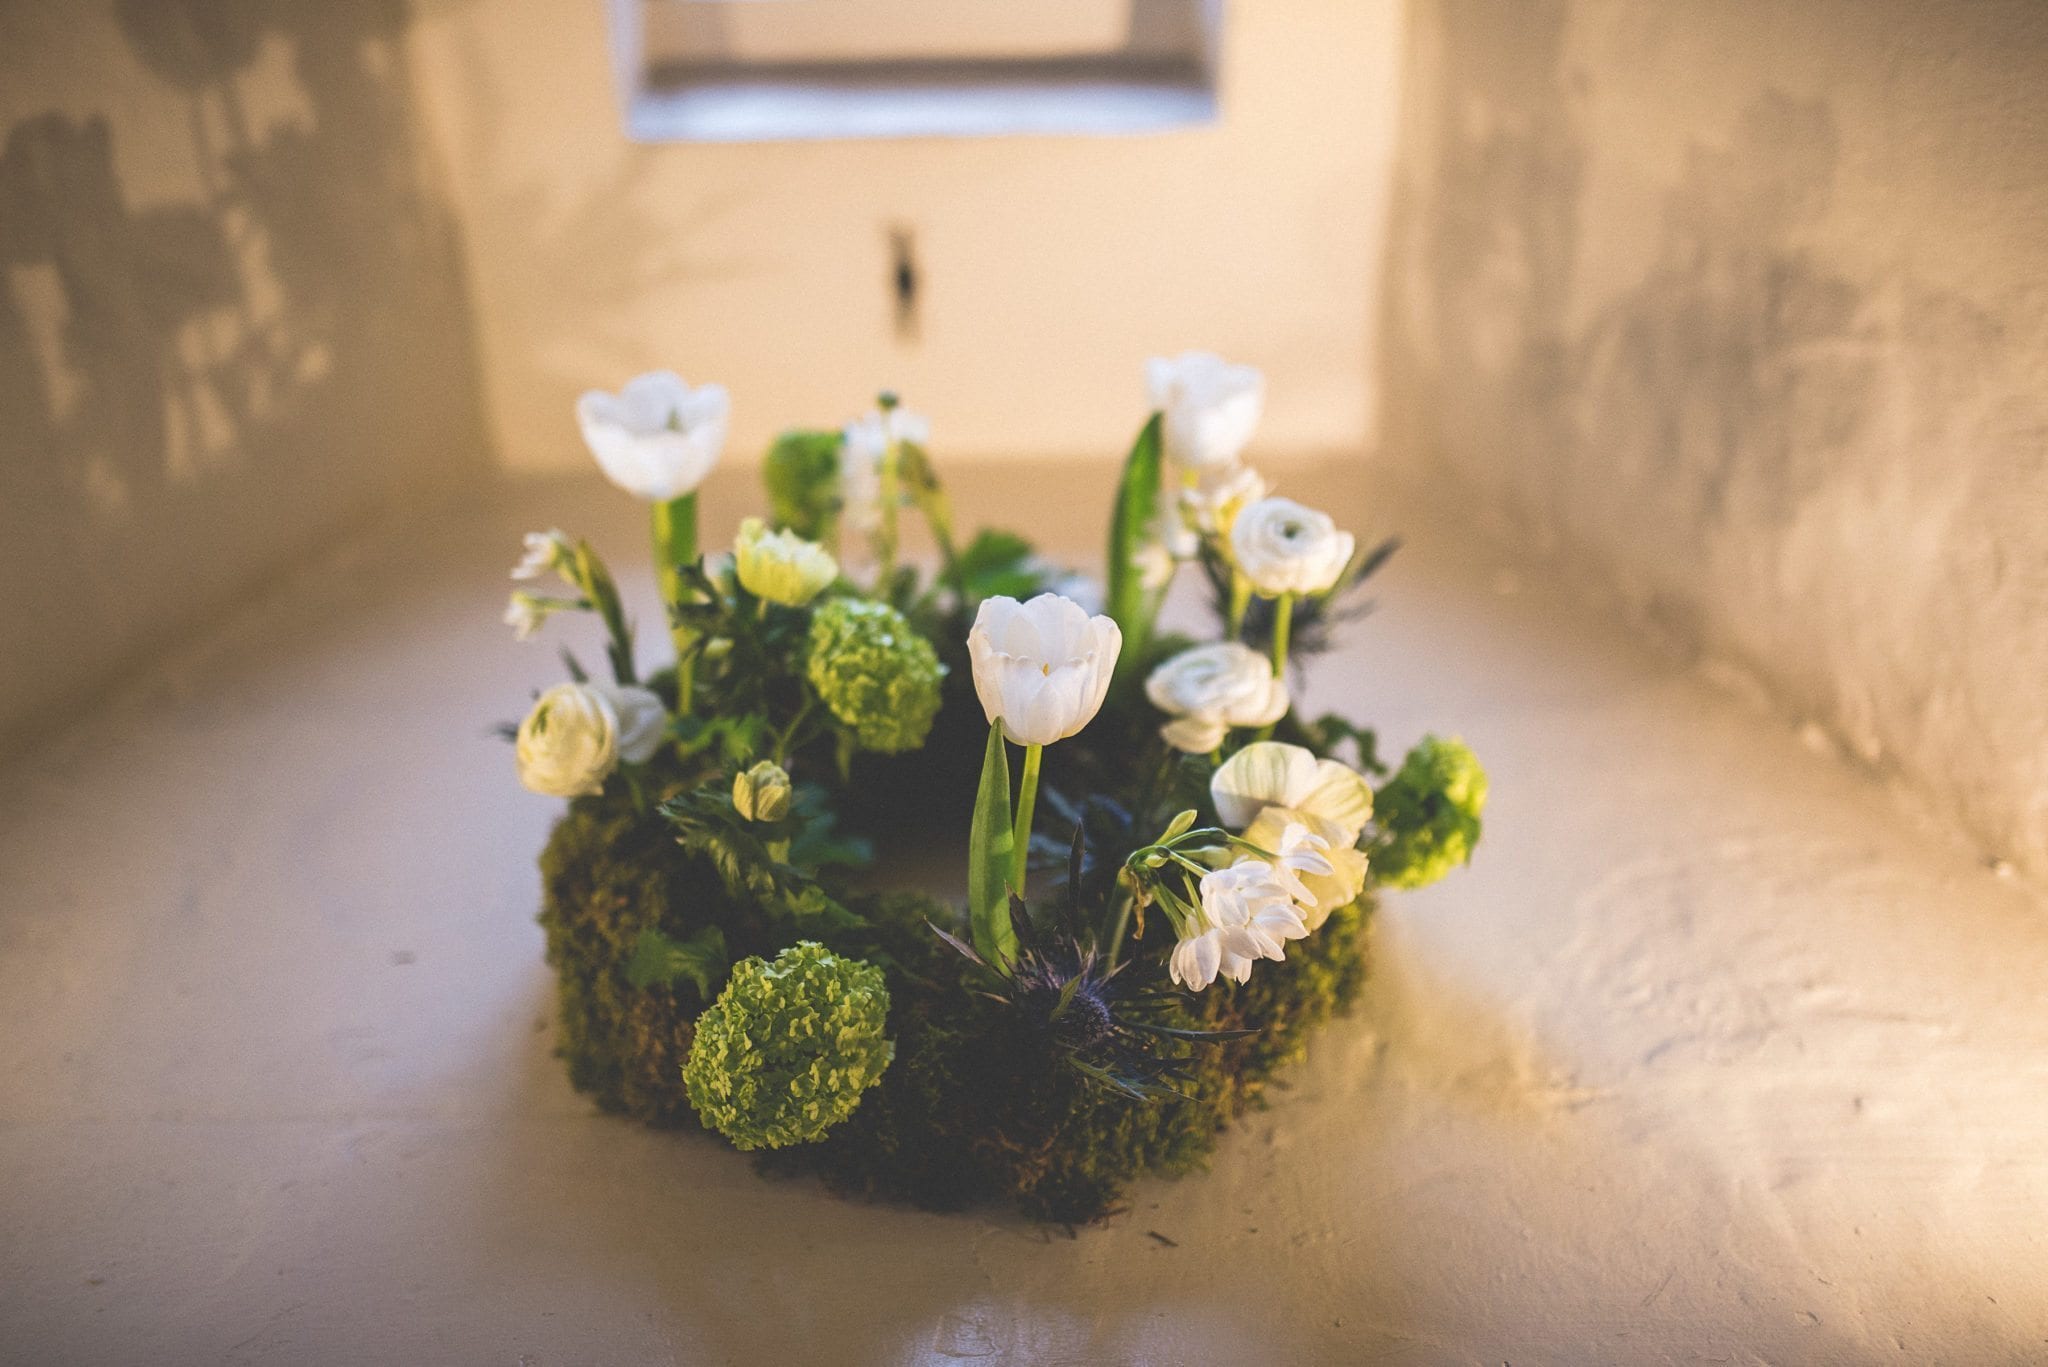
199, 393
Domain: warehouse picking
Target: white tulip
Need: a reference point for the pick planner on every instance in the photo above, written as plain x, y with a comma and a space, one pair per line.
781, 566
1282, 547
1211, 406
546, 553
1041, 667
657, 438
569, 743
1209, 689
1246, 914
1271, 773
862, 444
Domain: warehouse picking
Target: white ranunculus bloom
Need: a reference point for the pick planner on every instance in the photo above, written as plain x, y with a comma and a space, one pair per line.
1271, 773
862, 444
1041, 667
643, 720
1325, 861
1212, 505
1211, 406
657, 438
1246, 914
1283, 547
546, 553
1209, 689
781, 566
569, 743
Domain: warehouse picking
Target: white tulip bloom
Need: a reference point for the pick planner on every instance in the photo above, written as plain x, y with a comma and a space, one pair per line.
1246, 914
1211, 407
862, 445
657, 438
1271, 773
569, 743
1283, 547
1209, 689
546, 553
1041, 667
781, 566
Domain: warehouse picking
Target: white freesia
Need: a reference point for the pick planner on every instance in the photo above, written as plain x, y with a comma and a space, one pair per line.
1209, 689
1041, 667
1211, 406
1324, 859
781, 566
1246, 914
656, 438
1283, 547
546, 553
1271, 773
1298, 853
1212, 504
526, 613
569, 743
862, 444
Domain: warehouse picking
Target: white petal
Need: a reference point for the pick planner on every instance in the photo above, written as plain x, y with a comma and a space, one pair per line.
1259, 776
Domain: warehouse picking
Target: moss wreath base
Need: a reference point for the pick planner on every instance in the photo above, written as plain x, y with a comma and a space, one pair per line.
730, 959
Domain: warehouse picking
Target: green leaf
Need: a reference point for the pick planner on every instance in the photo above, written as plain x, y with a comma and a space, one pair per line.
659, 961
989, 844
997, 563
1137, 513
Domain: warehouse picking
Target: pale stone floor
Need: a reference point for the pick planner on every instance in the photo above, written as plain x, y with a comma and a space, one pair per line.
1714, 1055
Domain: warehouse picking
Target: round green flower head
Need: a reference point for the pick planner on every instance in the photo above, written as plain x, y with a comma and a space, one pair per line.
876, 674
1428, 814
785, 1052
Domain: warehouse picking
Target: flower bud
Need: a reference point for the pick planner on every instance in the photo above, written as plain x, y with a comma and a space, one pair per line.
762, 792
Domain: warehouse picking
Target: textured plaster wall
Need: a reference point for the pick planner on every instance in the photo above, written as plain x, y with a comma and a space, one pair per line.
1050, 266
233, 321
1745, 305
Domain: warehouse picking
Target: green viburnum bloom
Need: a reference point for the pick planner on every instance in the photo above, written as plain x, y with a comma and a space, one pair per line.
788, 1048
1428, 814
876, 674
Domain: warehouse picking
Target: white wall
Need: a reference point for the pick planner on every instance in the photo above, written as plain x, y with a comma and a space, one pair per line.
1745, 305
1052, 267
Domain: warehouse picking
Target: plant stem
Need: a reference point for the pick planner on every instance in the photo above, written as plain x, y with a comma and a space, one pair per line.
675, 544
1027, 798
885, 538
782, 741
1283, 623
1240, 600
1115, 949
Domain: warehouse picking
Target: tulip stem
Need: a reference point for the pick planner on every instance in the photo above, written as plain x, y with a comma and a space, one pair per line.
1027, 798
675, 545
1283, 623
1240, 600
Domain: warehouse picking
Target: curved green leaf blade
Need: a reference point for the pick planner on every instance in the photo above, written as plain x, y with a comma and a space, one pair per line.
1137, 513
989, 843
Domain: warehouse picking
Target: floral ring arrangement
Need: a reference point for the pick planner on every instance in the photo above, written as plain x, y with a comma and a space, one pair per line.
1159, 908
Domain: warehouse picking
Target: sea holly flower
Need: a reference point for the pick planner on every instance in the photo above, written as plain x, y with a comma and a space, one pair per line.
547, 552
1246, 914
781, 567
657, 437
874, 672
1041, 668
762, 793
1211, 407
1284, 548
1209, 689
577, 733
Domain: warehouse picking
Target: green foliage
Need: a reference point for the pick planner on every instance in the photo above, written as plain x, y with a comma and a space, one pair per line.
771, 865
1428, 814
990, 846
998, 563
657, 959
788, 1048
802, 475
876, 675
1134, 521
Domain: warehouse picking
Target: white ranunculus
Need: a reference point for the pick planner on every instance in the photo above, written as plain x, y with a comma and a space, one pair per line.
569, 743
862, 444
1325, 861
781, 566
545, 553
1271, 773
1041, 667
1209, 689
1211, 506
657, 438
643, 720
1246, 914
1211, 406
1283, 547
